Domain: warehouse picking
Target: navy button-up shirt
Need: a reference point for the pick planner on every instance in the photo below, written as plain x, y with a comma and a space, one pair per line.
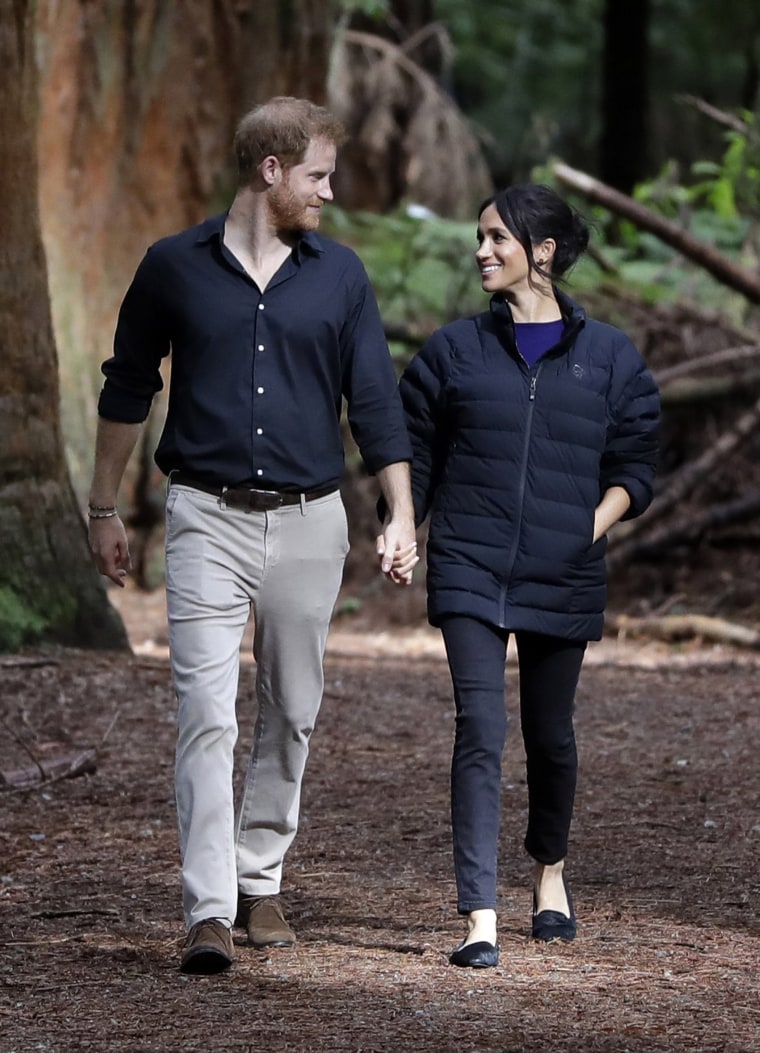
257, 378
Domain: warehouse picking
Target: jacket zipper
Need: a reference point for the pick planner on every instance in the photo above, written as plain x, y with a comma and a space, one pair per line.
521, 491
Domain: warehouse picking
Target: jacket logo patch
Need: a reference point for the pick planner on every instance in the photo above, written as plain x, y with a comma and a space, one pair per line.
577, 370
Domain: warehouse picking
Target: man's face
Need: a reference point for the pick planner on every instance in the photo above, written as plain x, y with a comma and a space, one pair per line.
296, 203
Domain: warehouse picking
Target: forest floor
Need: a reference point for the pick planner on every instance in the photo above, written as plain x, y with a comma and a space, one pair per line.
663, 864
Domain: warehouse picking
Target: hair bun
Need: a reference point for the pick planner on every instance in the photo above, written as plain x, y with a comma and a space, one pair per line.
580, 232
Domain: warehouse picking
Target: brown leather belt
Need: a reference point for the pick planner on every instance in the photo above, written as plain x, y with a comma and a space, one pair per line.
250, 500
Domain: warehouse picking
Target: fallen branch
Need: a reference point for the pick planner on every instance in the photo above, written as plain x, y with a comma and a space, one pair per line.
66, 766
681, 314
714, 358
730, 120
673, 627
109, 729
686, 392
693, 529
76, 912
27, 663
26, 748
706, 256
601, 260
684, 482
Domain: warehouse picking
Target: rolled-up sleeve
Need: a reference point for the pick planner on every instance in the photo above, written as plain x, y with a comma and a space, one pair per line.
133, 372
369, 383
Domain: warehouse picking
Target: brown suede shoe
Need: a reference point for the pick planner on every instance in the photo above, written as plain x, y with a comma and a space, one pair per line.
263, 918
208, 948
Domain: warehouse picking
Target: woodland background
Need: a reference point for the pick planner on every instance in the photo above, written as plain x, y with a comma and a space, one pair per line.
116, 130
115, 126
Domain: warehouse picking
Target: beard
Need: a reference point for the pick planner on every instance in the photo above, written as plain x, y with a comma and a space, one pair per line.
289, 214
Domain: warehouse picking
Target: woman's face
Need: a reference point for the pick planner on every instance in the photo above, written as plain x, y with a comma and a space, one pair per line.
500, 257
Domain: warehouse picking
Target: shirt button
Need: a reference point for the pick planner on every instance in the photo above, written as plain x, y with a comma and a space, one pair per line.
260, 391
259, 471
261, 347
261, 306
259, 431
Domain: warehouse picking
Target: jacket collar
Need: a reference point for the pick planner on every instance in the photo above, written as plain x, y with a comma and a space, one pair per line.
572, 313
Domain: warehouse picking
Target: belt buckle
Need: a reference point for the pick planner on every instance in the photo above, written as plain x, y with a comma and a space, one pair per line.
264, 500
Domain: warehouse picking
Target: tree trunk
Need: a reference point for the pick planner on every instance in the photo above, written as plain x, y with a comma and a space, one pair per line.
49, 589
625, 93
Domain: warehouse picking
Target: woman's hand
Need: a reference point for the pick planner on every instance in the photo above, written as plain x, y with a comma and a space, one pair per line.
397, 550
610, 509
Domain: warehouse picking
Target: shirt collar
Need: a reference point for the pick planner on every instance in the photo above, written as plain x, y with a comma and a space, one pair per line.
309, 241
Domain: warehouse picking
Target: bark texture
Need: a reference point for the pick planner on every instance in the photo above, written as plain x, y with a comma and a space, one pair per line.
49, 589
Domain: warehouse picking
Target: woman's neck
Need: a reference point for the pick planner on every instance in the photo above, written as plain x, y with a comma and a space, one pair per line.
537, 304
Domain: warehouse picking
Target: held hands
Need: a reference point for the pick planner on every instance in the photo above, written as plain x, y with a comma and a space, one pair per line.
397, 550
108, 543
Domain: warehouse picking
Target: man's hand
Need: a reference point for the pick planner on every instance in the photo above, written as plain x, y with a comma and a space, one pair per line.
109, 545
397, 549
108, 538
397, 545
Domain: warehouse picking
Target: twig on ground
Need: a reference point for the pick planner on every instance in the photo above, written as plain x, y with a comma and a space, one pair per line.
27, 663
45, 772
684, 626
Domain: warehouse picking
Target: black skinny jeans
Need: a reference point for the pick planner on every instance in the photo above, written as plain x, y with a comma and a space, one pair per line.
549, 670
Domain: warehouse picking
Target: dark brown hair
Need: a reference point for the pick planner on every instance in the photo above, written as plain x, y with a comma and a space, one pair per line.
283, 127
532, 213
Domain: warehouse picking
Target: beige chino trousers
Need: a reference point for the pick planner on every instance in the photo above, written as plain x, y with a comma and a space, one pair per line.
287, 564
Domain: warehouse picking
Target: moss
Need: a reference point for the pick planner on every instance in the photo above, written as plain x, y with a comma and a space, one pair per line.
23, 622
18, 623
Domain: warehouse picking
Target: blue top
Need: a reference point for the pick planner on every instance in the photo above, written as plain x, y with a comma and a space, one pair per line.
257, 378
534, 339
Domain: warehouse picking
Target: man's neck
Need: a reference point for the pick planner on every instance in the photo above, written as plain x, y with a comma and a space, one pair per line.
250, 224
259, 247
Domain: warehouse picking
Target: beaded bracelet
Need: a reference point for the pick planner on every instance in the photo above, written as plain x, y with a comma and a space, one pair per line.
102, 515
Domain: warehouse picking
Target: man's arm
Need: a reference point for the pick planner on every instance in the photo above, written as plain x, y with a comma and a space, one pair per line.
397, 546
108, 538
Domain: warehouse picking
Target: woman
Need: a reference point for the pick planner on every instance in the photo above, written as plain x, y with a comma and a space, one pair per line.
534, 430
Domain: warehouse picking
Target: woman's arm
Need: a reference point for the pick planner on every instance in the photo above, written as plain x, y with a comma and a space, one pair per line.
422, 387
629, 460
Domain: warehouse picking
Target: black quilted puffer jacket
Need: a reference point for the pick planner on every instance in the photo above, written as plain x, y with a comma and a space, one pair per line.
510, 462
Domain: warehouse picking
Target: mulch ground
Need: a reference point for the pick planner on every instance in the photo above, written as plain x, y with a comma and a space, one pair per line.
664, 869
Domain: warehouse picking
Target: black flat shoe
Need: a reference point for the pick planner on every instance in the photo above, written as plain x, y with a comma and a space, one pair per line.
553, 924
482, 955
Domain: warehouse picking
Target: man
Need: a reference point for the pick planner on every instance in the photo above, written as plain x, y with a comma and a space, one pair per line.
269, 325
